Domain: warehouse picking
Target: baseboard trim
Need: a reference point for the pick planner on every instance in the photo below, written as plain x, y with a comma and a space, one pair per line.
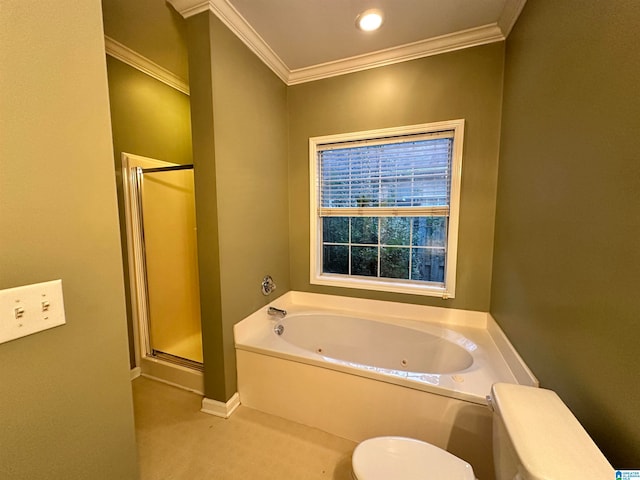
221, 409
171, 374
135, 372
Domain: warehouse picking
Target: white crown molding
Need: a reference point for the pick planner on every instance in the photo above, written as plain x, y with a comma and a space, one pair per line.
510, 13
490, 33
144, 65
411, 51
239, 26
245, 32
189, 8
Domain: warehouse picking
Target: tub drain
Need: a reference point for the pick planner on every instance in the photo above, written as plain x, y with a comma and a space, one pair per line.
404, 363
279, 329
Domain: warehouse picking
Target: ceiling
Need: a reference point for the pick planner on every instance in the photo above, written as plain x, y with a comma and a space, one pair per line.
303, 40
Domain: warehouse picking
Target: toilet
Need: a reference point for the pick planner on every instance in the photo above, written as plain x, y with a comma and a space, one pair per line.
535, 437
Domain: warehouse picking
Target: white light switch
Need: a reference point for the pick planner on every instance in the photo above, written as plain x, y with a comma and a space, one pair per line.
30, 309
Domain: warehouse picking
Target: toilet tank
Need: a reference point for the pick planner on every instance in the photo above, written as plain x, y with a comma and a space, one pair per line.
536, 437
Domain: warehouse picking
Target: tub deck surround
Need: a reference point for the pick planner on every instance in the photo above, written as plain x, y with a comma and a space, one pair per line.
445, 409
493, 358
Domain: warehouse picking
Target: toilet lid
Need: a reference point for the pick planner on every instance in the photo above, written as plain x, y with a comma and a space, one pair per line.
400, 458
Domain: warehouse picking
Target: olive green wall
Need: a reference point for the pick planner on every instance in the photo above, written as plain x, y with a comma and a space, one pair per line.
464, 84
151, 28
204, 160
240, 154
249, 104
65, 408
148, 117
151, 119
567, 262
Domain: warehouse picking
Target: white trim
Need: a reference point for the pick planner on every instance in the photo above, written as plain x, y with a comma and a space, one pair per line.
380, 285
316, 277
198, 391
144, 65
390, 132
135, 248
172, 374
221, 409
510, 13
454, 209
385, 140
245, 32
383, 211
485, 34
239, 26
189, 8
131, 254
411, 51
135, 372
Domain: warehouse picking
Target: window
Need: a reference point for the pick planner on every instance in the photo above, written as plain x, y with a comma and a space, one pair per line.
384, 208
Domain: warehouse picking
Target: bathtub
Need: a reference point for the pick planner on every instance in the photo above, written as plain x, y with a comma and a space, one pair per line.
361, 368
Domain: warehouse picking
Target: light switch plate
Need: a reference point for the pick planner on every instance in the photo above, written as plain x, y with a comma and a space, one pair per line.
30, 309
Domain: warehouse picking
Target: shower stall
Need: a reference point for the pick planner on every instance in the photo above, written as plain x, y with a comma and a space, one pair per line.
163, 270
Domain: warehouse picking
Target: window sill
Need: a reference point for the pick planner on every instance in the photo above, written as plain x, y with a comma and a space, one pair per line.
364, 283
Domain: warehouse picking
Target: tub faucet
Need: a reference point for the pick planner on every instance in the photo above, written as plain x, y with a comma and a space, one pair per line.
276, 312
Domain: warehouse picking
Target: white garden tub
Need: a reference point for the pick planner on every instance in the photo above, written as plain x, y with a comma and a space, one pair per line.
362, 368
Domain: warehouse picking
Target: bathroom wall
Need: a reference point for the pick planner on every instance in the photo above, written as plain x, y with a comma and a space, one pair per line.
463, 84
240, 155
66, 408
148, 117
567, 262
152, 28
151, 119
562, 280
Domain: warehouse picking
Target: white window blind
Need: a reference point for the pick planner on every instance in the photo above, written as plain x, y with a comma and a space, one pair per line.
407, 175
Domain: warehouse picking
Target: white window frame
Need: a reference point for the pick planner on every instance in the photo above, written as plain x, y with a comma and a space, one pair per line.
317, 277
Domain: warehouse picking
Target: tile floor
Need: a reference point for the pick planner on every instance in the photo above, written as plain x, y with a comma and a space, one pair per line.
178, 442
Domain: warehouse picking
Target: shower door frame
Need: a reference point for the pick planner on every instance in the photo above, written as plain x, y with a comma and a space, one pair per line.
149, 364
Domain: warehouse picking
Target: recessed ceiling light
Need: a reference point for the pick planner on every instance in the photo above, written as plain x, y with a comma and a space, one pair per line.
369, 20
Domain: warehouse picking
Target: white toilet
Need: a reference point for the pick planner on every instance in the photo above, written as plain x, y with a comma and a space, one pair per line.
535, 437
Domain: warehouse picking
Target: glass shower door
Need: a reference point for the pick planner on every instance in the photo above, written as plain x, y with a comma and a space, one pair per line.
167, 211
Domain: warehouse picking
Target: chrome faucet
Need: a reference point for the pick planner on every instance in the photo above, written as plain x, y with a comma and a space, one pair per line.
268, 285
276, 312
